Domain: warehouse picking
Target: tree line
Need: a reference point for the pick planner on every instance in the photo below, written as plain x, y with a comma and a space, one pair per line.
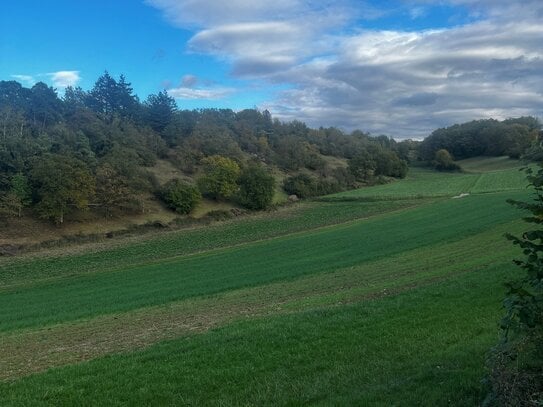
515, 137
92, 150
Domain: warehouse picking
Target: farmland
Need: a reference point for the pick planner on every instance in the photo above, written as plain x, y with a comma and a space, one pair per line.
387, 295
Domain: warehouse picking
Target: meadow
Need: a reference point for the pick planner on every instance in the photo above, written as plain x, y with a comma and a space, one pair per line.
387, 295
479, 176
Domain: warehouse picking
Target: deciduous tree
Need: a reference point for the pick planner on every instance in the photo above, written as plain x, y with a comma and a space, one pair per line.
21, 192
62, 184
256, 188
443, 161
220, 177
112, 189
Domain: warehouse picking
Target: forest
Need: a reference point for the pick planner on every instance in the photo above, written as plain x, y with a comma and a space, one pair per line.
92, 150
515, 137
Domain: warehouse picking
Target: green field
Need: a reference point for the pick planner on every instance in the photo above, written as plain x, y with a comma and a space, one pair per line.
480, 176
487, 164
392, 300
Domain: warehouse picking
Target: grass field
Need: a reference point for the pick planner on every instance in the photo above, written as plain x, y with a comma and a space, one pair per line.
392, 300
487, 164
419, 183
480, 176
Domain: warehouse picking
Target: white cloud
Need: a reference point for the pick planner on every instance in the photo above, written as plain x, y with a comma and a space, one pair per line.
63, 79
210, 13
191, 93
407, 84
401, 83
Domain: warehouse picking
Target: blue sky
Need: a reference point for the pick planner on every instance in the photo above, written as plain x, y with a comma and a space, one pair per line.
396, 67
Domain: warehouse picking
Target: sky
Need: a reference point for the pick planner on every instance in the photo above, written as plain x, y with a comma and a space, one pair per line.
397, 67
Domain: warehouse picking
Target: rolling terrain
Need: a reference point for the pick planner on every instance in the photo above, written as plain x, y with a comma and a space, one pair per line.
388, 295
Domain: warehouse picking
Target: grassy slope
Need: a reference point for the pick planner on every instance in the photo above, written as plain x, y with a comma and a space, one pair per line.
482, 176
368, 352
419, 183
253, 264
486, 164
301, 217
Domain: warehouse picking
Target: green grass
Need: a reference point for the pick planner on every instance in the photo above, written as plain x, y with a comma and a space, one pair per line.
84, 296
500, 181
422, 182
486, 164
32, 350
424, 347
419, 183
301, 217
372, 298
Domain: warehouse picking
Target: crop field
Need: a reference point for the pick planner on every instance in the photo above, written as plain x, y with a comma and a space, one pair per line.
392, 300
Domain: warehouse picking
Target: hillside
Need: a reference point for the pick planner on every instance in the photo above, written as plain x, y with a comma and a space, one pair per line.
379, 296
90, 164
101, 161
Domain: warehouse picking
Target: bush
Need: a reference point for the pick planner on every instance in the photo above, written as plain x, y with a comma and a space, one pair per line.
443, 161
302, 185
344, 177
256, 188
220, 177
305, 186
516, 364
180, 196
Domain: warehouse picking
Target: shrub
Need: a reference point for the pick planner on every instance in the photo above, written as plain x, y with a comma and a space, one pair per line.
301, 185
443, 161
220, 177
180, 196
516, 364
256, 188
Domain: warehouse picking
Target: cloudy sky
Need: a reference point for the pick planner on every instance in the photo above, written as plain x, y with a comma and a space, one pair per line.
395, 67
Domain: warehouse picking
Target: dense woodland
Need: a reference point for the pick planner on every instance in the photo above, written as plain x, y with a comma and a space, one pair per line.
511, 137
92, 150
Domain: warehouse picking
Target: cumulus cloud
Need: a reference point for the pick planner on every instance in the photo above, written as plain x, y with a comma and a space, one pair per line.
63, 79
404, 84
